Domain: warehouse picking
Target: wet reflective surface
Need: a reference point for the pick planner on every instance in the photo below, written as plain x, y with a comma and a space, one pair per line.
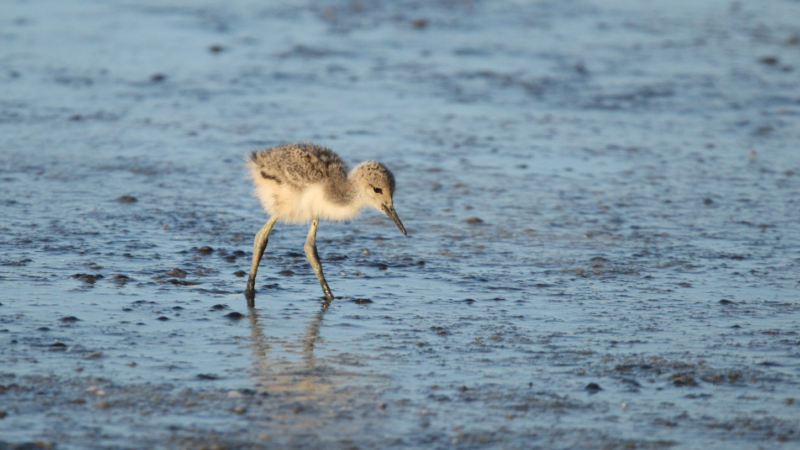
601, 200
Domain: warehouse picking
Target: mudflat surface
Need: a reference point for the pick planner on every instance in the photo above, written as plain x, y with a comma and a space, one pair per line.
602, 198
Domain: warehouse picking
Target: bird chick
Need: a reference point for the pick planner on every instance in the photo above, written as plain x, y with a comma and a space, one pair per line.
307, 182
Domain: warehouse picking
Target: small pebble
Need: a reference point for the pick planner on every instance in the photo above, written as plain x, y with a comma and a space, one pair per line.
86, 278
473, 220
127, 199
178, 282
681, 380
205, 249
235, 315
593, 387
769, 60
103, 405
69, 319
177, 273
420, 22
163, 318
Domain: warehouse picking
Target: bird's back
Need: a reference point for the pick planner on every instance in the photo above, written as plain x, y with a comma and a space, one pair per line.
293, 180
298, 165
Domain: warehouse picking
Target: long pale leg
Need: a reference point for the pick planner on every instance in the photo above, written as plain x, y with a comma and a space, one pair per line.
313, 258
259, 246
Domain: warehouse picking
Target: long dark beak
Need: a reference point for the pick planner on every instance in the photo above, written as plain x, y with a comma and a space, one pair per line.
389, 210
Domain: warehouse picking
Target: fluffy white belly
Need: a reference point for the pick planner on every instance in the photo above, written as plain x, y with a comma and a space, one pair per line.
293, 206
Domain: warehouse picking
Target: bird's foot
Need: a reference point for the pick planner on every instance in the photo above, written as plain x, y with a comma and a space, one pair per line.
250, 293
251, 298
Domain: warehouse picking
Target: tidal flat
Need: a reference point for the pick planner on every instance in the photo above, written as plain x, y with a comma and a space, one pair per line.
602, 200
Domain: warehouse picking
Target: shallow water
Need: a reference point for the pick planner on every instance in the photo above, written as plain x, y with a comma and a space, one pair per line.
633, 166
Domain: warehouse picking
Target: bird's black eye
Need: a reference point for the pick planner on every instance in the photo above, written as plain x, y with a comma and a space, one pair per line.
378, 190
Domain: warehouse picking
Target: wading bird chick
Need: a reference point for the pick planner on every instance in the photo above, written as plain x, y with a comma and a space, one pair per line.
307, 182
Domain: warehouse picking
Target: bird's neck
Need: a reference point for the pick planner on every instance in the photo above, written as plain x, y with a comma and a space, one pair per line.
344, 192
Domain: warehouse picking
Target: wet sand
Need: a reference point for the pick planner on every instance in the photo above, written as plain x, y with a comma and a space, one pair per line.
601, 199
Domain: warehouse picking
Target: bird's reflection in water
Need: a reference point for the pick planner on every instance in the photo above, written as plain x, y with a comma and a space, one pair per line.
276, 372
311, 399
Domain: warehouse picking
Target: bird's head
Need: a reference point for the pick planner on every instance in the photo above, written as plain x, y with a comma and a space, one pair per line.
375, 185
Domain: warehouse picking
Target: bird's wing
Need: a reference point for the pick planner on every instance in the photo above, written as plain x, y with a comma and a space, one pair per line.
298, 165
308, 164
301, 168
